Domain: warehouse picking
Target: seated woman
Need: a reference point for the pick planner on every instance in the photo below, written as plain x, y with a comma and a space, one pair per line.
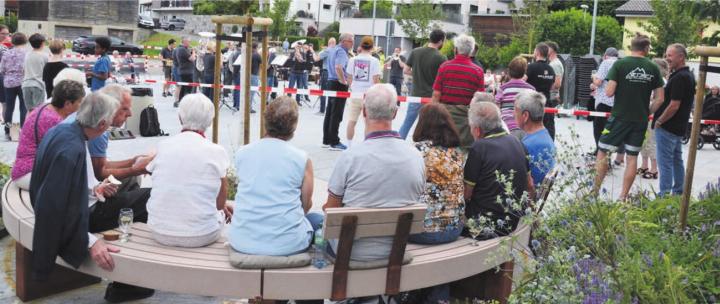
188, 178
275, 184
66, 99
438, 140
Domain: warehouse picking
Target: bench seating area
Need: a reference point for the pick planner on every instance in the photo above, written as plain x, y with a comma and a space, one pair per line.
207, 271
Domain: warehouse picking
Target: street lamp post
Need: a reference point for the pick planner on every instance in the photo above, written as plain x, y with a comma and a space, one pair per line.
584, 7
373, 22
592, 33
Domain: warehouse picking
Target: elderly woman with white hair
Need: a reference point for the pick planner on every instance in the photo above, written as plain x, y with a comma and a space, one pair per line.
189, 181
274, 190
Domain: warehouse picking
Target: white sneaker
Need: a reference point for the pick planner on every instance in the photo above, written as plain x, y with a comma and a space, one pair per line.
324, 146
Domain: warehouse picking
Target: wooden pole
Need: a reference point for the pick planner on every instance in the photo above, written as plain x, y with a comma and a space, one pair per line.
692, 148
216, 82
263, 80
246, 84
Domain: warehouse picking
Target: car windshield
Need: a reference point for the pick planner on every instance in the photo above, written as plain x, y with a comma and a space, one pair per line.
115, 41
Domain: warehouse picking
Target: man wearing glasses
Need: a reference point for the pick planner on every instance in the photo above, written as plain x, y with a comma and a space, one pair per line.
337, 62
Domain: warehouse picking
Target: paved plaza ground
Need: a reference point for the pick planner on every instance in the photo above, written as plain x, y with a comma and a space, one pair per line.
308, 137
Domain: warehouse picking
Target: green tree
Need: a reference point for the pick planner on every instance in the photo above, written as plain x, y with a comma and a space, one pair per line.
605, 8
283, 24
571, 30
527, 19
223, 7
673, 22
418, 18
11, 21
383, 8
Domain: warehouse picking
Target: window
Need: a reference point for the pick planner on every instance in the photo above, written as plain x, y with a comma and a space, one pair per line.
473, 9
327, 6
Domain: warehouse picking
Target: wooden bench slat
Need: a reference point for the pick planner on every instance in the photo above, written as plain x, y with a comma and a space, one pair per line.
144, 230
333, 216
371, 230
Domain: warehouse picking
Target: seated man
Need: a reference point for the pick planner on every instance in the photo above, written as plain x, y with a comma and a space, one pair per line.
361, 176
529, 112
494, 152
59, 194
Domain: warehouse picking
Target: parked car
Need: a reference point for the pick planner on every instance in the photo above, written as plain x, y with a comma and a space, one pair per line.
173, 24
86, 45
146, 21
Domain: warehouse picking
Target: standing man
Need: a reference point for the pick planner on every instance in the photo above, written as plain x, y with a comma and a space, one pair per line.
166, 57
631, 80
542, 76
456, 82
396, 65
101, 70
185, 58
337, 62
671, 119
324, 73
33, 86
559, 70
363, 72
603, 103
423, 64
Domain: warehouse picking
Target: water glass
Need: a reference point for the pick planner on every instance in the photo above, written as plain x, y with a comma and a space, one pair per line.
124, 221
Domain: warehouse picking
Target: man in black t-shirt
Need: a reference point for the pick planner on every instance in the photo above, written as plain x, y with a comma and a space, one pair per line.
396, 63
671, 119
542, 76
494, 150
167, 61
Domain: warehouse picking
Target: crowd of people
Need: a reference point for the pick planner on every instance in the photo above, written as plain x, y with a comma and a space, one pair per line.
464, 140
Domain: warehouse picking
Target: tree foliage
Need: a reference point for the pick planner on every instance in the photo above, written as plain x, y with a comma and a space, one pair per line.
605, 8
223, 7
417, 18
11, 21
527, 19
673, 22
283, 24
383, 8
571, 29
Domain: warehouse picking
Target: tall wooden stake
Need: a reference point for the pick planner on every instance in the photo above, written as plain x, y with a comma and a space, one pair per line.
216, 83
263, 80
246, 86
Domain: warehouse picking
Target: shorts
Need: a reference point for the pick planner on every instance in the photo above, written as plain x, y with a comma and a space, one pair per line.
618, 132
168, 72
356, 105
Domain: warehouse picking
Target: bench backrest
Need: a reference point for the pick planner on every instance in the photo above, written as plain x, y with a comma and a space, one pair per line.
372, 222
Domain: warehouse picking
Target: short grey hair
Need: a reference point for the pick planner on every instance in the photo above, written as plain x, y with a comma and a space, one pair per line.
381, 102
482, 96
281, 118
95, 108
196, 112
680, 49
116, 91
611, 52
484, 115
464, 44
346, 36
532, 102
70, 74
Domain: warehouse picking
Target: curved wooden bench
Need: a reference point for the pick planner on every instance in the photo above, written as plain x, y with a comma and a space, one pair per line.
207, 271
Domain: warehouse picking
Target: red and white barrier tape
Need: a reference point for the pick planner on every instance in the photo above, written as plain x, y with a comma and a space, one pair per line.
409, 99
139, 65
82, 56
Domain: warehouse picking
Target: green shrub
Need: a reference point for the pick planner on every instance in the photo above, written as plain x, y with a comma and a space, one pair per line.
11, 21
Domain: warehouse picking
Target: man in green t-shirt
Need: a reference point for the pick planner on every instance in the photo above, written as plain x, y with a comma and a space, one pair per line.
631, 81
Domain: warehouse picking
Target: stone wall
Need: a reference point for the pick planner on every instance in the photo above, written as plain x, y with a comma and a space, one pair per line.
101, 12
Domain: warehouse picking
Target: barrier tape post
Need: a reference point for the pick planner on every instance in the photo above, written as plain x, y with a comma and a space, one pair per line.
216, 90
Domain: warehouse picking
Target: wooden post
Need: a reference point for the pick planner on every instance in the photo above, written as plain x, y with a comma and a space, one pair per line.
692, 145
246, 84
263, 80
217, 92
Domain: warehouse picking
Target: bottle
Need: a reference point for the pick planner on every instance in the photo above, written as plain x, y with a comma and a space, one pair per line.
318, 250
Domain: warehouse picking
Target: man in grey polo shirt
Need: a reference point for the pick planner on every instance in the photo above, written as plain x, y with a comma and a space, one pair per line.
361, 179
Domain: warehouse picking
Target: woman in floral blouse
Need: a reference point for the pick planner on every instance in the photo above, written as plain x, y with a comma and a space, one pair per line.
12, 69
438, 140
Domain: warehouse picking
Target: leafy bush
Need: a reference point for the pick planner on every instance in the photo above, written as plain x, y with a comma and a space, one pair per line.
571, 30
11, 21
591, 250
500, 56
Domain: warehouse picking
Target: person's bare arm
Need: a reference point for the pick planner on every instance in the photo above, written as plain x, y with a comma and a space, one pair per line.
436, 96
100, 253
332, 202
222, 194
120, 169
406, 69
376, 79
341, 74
659, 99
669, 112
558, 82
306, 189
610, 88
468, 191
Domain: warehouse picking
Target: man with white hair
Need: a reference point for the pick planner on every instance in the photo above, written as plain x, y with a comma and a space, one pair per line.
59, 195
529, 112
456, 82
494, 152
360, 176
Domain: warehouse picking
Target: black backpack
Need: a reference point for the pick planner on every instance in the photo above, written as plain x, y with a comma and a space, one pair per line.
149, 124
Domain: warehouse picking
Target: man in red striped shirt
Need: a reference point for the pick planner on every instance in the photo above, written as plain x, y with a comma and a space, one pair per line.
456, 82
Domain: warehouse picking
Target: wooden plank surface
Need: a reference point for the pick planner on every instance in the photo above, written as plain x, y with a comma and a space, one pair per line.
333, 216
370, 230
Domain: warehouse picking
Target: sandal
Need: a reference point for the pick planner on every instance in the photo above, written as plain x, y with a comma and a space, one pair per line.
650, 175
618, 163
641, 171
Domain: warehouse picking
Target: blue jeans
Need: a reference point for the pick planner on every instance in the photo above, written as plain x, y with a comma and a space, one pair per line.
299, 79
236, 93
410, 117
271, 83
670, 162
11, 96
210, 79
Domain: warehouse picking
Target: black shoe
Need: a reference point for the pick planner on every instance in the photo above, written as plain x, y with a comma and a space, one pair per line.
252, 111
117, 292
164, 94
176, 104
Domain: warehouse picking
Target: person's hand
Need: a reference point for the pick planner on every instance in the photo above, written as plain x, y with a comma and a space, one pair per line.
141, 163
228, 210
106, 189
100, 253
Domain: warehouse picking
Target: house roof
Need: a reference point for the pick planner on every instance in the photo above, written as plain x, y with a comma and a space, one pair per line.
635, 8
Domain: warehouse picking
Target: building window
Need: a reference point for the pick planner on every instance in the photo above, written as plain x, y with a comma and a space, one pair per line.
327, 6
473, 9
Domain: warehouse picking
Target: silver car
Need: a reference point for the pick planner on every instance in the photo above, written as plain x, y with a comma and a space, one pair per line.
173, 24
